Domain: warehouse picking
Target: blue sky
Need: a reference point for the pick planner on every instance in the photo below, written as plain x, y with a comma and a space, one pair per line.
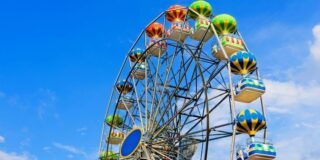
58, 61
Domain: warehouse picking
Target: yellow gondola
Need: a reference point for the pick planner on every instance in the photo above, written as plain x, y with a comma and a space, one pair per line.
115, 137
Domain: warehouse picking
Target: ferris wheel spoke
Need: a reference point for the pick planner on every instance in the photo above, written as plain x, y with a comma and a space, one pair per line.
138, 103
210, 99
129, 113
200, 120
154, 90
156, 133
146, 101
162, 92
224, 84
163, 155
181, 78
194, 75
212, 129
147, 153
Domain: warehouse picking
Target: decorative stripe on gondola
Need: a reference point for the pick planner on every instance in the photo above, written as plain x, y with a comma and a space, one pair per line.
250, 83
260, 149
229, 39
201, 22
178, 26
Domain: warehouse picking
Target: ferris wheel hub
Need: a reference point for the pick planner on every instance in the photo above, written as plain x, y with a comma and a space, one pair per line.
131, 143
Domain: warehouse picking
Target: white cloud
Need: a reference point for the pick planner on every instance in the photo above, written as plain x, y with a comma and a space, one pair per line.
299, 146
46, 148
2, 139
315, 47
14, 156
288, 95
294, 108
69, 148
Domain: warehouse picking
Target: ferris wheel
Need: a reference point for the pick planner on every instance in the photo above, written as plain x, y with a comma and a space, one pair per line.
177, 91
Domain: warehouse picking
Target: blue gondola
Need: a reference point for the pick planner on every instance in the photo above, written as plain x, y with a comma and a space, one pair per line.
260, 150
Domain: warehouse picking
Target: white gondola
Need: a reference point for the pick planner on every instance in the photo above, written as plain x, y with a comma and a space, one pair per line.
248, 90
230, 44
126, 102
179, 31
157, 47
202, 28
139, 71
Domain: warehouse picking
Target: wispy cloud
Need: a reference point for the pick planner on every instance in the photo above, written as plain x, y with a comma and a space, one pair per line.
2, 139
14, 156
287, 95
69, 149
46, 148
46, 101
82, 130
315, 47
25, 143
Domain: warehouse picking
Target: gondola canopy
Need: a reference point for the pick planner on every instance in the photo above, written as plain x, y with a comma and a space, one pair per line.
108, 155
250, 121
176, 13
124, 87
155, 30
203, 8
136, 55
243, 62
114, 120
224, 24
